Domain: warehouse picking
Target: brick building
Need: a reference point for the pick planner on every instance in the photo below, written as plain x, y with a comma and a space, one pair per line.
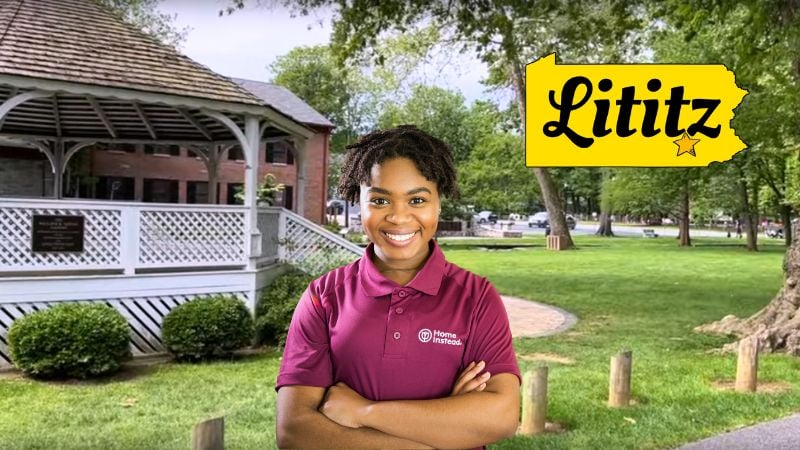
176, 174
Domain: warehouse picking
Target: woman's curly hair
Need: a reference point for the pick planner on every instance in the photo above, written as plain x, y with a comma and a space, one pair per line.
433, 159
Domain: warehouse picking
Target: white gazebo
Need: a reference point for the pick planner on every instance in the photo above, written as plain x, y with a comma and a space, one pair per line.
72, 75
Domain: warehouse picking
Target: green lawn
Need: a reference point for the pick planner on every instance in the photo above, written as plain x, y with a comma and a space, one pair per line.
642, 294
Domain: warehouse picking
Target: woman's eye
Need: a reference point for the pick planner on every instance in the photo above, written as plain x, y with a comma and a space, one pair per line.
379, 201
417, 201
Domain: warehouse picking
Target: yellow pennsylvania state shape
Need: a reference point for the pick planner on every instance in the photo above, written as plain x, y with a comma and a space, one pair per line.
632, 115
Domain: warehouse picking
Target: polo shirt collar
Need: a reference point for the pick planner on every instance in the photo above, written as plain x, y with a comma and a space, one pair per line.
428, 279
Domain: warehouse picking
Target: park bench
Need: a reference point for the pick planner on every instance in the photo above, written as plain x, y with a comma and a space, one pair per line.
649, 233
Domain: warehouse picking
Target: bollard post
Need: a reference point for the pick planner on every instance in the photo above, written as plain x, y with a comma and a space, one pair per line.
534, 401
209, 435
747, 365
619, 380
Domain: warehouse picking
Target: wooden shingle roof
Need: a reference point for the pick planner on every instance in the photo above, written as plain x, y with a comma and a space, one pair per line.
79, 41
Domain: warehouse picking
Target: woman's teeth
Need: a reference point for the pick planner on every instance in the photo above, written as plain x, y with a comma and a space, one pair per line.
400, 237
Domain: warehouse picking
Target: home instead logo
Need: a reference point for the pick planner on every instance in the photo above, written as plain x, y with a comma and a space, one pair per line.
438, 337
634, 115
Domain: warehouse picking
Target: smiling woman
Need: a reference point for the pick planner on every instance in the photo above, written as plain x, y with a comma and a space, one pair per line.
400, 348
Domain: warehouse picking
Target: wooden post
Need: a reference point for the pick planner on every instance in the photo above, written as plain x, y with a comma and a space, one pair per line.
553, 242
619, 381
209, 435
534, 401
747, 365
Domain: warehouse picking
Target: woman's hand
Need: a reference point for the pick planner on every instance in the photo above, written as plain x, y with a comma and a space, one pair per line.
469, 381
343, 405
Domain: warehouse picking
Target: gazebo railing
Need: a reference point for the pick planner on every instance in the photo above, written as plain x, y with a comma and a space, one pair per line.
127, 237
302, 242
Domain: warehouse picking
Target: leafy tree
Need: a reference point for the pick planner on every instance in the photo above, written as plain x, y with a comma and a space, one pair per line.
505, 34
494, 179
145, 15
267, 190
766, 53
336, 92
655, 193
436, 110
760, 42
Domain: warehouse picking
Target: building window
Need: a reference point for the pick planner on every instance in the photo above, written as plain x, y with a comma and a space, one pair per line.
236, 153
197, 192
159, 149
279, 153
285, 197
115, 188
160, 191
233, 188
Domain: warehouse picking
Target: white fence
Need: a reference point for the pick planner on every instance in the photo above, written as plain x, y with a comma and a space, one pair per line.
312, 247
126, 237
145, 259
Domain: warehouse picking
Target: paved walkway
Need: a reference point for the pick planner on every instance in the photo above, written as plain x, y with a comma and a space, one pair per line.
531, 319
781, 434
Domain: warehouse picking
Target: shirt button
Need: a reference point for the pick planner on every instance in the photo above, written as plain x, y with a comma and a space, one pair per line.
399, 310
402, 294
396, 335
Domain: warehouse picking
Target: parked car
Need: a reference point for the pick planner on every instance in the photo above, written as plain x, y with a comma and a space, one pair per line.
542, 220
486, 217
336, 207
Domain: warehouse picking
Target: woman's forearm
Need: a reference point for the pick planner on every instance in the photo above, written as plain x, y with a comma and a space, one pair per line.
462, 421
313, 430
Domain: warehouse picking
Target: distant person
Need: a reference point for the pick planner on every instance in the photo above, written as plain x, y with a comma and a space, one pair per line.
739, 229
400, 349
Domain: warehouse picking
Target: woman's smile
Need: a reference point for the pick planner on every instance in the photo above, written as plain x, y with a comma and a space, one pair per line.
399, 213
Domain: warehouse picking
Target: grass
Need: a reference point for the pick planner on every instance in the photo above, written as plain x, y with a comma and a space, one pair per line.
641, 294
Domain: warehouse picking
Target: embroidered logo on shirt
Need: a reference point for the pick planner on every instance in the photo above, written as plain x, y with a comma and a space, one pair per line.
438, 337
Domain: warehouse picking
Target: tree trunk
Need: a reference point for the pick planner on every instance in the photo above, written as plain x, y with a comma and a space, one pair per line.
605, 225
550, 193
605, 209
746, 219
786, 217
683, 234
777, 326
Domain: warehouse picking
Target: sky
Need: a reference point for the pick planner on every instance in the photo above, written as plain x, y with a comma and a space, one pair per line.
243, 44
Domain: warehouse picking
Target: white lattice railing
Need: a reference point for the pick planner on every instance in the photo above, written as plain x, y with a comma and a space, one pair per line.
191, 237
126, 237
310, 246
102, 245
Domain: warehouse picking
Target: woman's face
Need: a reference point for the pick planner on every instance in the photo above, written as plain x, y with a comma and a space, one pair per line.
399, 211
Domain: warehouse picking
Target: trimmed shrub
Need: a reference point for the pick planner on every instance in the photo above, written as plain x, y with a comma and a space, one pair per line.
276, 306
73, 340
208, 327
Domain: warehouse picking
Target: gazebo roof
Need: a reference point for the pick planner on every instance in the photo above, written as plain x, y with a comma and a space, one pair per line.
92, 77
83, 42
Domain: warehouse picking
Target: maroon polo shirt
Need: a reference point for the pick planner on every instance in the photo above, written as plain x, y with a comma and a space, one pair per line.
392, 342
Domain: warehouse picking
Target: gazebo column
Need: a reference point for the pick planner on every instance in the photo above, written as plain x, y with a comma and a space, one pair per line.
212, 167
59, 166
250, 148
54, 154
250, 140
301, 151
210, 155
